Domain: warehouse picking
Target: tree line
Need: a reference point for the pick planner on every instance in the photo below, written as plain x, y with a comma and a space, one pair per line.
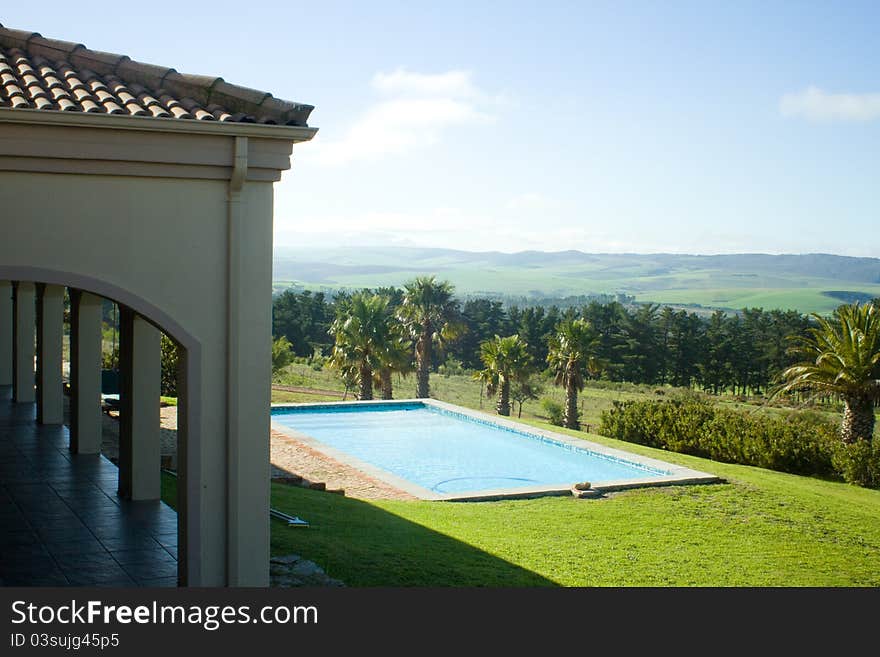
741, 353
376, 333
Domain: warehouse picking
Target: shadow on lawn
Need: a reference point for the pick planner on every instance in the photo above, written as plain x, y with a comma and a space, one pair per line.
365, 545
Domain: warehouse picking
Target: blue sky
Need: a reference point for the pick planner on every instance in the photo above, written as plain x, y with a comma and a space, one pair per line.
685, 127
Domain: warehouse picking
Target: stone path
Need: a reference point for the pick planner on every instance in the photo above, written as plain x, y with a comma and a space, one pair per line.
293, 570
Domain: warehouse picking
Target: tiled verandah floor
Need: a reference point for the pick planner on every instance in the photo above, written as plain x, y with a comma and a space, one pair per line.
61, 521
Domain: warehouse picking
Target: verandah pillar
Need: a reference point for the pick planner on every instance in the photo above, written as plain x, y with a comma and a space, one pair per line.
5, 333
85, 372
24, 345
140, 378
249, 373
50, 333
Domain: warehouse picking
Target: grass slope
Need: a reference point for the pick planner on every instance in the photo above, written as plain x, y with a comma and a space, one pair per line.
760, 529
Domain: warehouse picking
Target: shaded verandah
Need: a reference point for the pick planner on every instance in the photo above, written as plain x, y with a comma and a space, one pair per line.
61, 520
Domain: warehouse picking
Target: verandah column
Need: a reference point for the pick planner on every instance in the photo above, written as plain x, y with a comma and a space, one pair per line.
5, 333
24, 345
249, 374
50, 334
85, 372
140, 378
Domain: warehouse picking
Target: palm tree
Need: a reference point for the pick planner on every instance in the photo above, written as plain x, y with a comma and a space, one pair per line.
506, 360
430, 315
570, 353
362, 330
841, 358
395, 357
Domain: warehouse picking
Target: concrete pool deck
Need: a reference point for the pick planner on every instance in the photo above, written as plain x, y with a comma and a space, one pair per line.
675, 474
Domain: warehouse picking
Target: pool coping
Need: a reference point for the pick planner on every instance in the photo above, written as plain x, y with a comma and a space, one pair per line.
677, 475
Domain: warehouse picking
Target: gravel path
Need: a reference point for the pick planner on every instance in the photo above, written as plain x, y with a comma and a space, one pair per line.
291, 457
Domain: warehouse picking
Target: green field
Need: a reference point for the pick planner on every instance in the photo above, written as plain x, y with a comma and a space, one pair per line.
808, 299
798, 282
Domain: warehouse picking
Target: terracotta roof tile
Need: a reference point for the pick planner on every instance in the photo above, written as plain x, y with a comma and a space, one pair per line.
53, 75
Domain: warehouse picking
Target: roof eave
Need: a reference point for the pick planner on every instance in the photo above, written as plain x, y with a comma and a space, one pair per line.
291, 133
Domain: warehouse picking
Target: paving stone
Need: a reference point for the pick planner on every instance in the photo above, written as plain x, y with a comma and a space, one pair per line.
292, 571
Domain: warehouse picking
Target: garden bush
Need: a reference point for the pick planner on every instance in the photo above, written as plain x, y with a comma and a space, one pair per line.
170, 359
858, 463
553, 410
790, 442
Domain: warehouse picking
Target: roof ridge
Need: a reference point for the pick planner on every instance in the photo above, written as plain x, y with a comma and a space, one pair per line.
205, 89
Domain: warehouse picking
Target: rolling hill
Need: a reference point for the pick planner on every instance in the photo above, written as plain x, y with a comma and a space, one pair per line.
808, 282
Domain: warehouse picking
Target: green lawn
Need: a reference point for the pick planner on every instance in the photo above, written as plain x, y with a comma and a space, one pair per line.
761, 528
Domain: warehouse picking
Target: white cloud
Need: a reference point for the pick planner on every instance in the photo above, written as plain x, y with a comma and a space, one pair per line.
815, 104
421, 108
531, 201
452, 84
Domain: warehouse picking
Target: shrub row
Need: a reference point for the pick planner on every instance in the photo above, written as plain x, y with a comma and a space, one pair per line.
859, 463
799, 443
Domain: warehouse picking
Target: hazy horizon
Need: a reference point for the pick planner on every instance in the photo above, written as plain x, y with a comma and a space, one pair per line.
314, 246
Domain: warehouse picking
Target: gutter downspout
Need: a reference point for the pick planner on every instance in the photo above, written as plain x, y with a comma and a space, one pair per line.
233, 350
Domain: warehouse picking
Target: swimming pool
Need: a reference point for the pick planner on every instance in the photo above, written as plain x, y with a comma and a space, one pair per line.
439, 451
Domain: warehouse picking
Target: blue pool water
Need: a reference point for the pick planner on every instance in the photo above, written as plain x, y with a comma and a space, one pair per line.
447, 452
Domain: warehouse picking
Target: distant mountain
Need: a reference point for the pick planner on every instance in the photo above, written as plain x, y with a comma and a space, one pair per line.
814, 281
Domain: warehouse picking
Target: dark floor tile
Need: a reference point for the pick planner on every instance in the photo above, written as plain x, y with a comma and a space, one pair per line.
129, 543
14, 525
21, 564
152, 571
167, 539
94, 576
120, 531
50, 535
126, 582
138, 557
41, 521
163, 582
51, 500
41, 579
90, 561
16, 536
89, 546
